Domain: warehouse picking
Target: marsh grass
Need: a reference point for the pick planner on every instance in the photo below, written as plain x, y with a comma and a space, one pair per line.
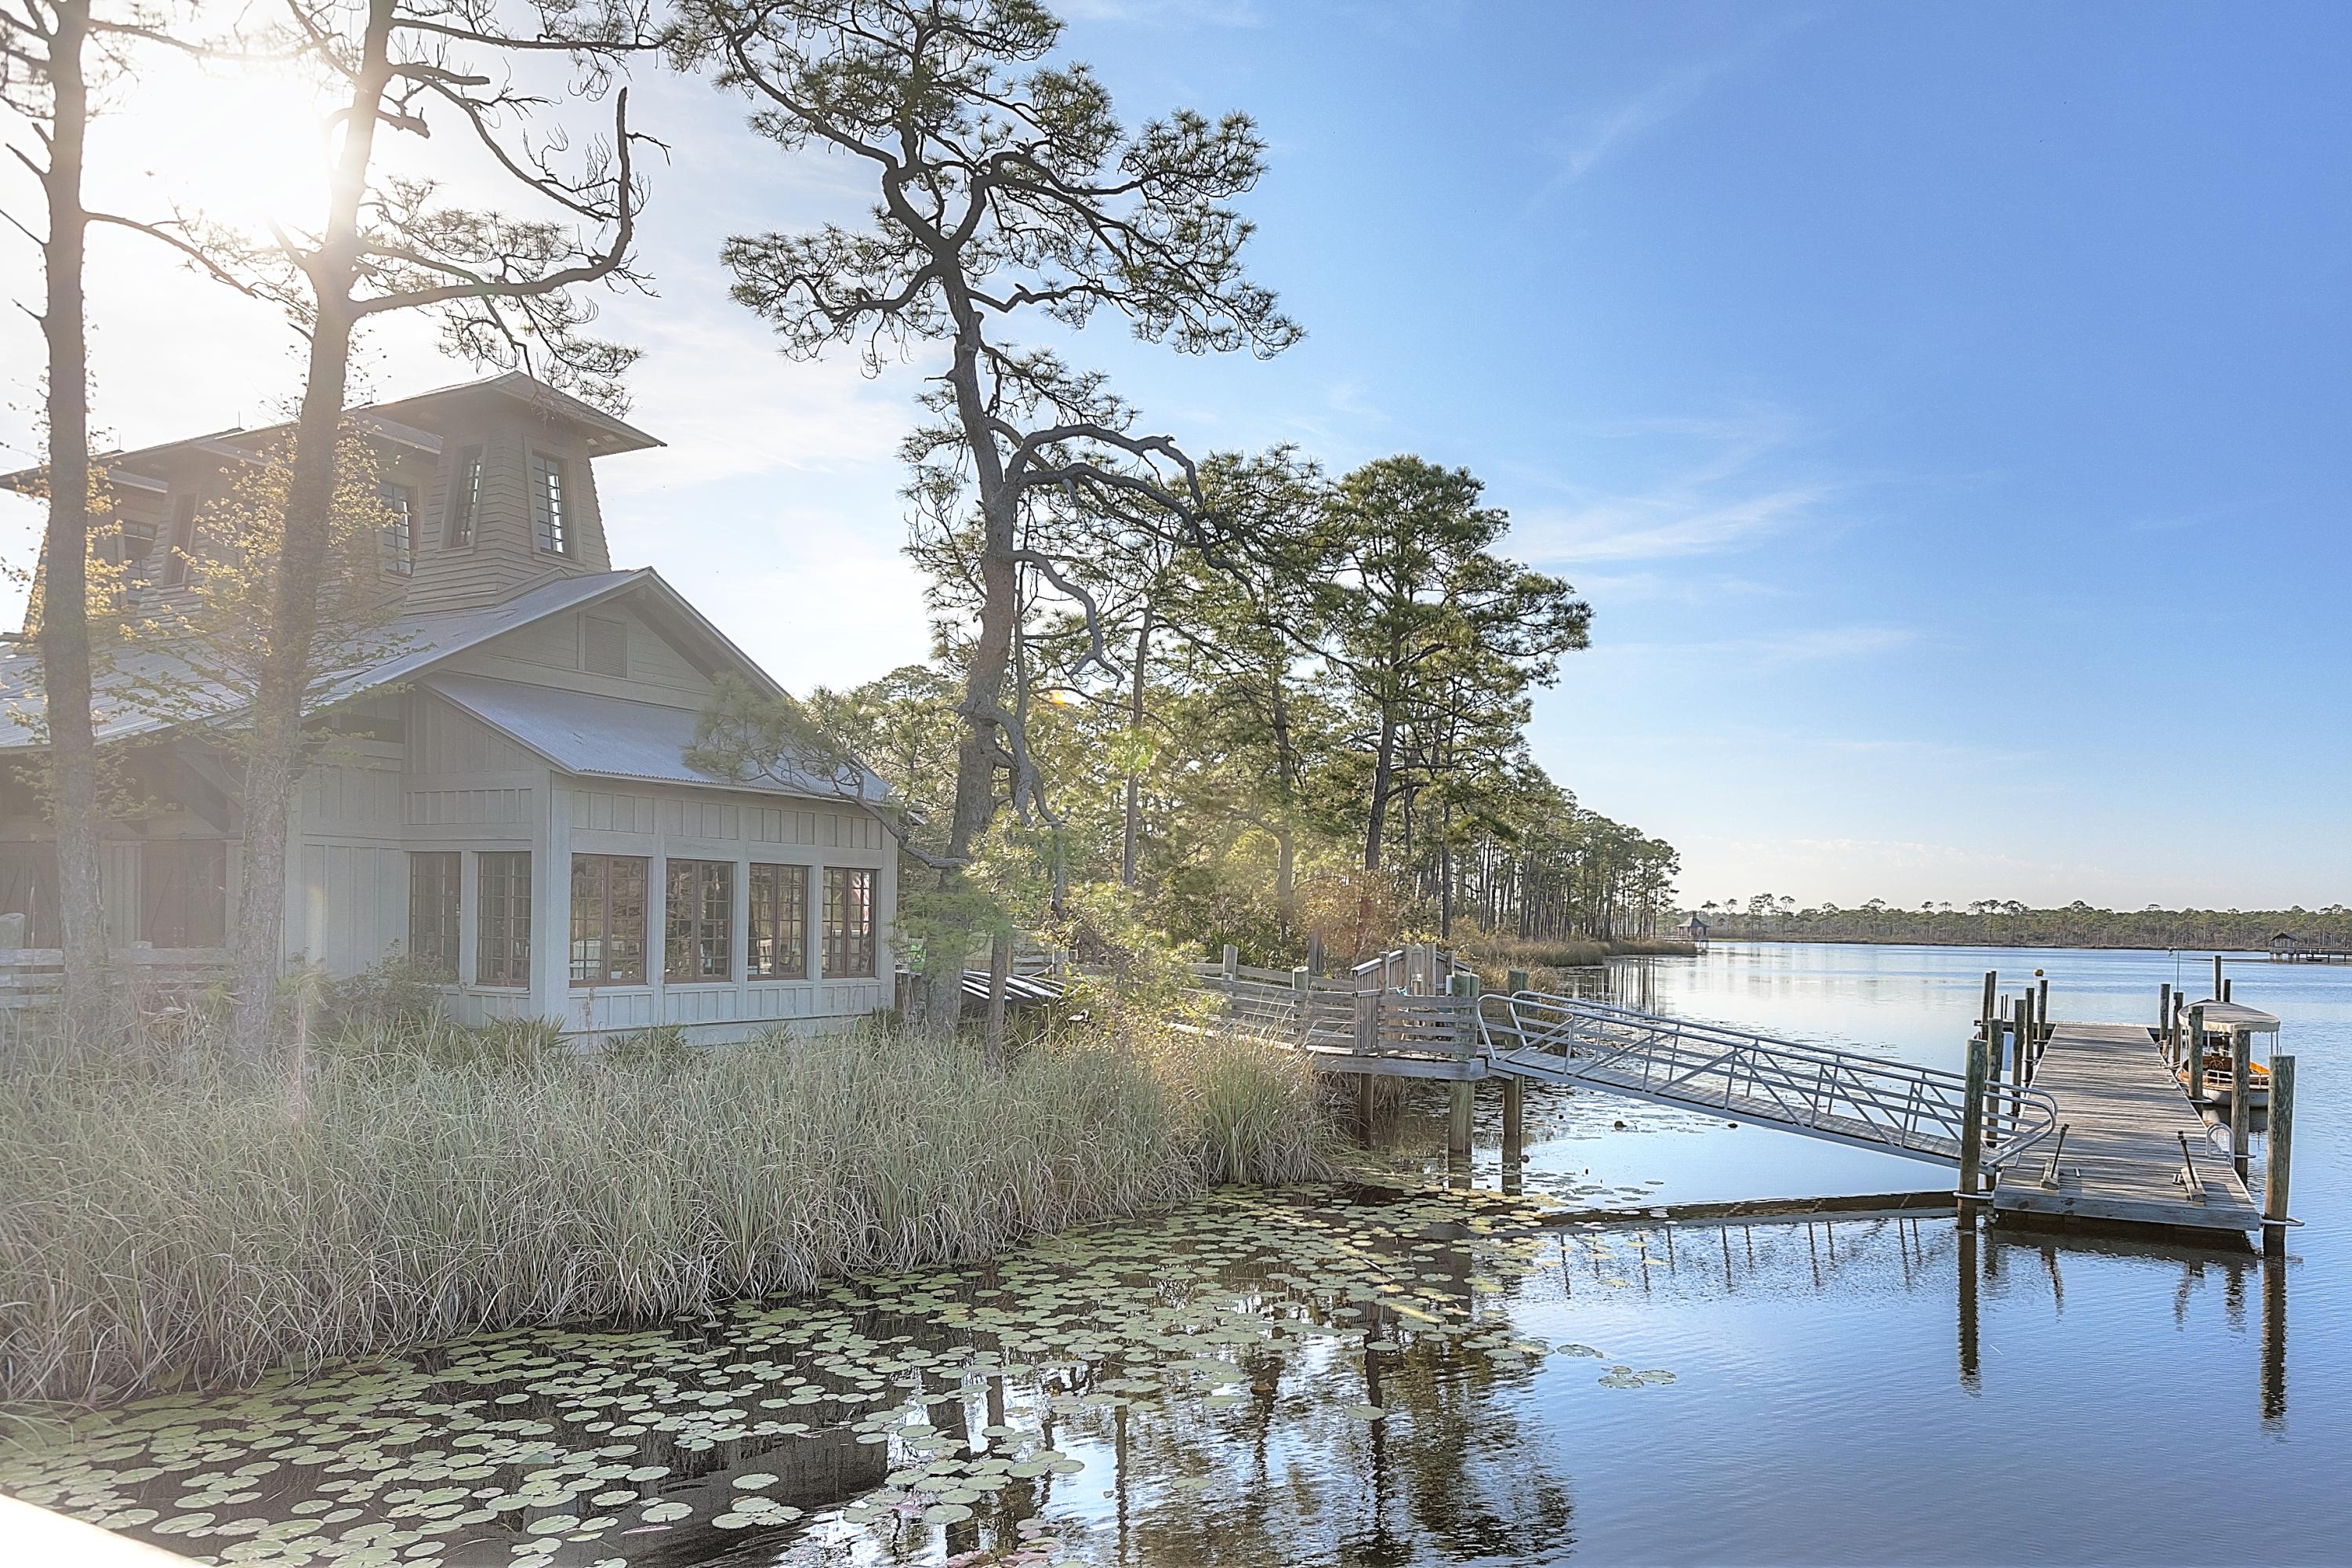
171, 1217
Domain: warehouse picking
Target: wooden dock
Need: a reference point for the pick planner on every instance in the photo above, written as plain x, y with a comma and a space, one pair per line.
2125, 1116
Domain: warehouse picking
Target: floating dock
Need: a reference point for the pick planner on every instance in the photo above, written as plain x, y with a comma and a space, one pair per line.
2136, 1150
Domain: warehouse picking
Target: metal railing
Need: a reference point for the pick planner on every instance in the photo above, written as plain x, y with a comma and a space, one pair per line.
1843, 1096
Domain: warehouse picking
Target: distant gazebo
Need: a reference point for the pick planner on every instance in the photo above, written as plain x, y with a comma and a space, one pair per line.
1693, 929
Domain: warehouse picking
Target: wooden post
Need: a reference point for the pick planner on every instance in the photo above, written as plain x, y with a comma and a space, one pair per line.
1364, 1109
2164, 1020
1232, 962
1302, 990
2242, 1096
2226, 986
1516, 982
1315, 954
2041, 1013
1990, 1010
2196, 1053
1515, 1130
2278, 1154
1367, 1044
2023, 1051
2217, 977
1972, 1121
1464, 1093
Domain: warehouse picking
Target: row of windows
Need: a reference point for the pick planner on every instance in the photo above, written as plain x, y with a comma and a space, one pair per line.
550, 512
609, 918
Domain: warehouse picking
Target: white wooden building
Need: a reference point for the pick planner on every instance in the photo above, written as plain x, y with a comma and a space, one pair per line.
502, 796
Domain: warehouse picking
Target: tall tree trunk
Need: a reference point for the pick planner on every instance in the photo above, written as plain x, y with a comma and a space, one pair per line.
980, 744
64, 629
999, 976
276, 756
1444, 888
1383, 779
1132, 828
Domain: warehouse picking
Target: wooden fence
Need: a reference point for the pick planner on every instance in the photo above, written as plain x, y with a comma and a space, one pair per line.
156, 978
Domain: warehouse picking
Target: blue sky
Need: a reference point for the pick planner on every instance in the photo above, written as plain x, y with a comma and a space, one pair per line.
1945, 410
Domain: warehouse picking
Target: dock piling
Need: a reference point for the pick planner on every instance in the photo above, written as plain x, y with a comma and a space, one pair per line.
1463, 1095
1972, 1117
1516, 982
2217, 978
1515, 1130
2196, 1056
2164, 1020
2041, 1013
2242, 1096
2022, 1048
2278, 1154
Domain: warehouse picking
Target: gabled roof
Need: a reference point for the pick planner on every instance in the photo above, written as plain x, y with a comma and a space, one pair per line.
595, 736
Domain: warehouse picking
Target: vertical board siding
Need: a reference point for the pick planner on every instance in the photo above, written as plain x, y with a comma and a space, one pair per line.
466, 807
445, 740
354, 905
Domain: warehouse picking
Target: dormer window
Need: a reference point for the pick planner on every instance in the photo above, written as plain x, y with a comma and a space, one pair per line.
399, 503
133, 540
550, 503
465, 503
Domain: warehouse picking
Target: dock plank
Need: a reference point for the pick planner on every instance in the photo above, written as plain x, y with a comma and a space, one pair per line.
2124, 1114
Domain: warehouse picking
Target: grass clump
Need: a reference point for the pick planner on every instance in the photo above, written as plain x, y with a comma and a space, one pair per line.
181, 1218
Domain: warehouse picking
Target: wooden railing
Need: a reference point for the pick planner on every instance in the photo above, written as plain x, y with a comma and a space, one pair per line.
31, 977
1356, 1018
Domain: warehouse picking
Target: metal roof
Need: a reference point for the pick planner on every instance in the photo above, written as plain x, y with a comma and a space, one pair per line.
595, 736
407, 646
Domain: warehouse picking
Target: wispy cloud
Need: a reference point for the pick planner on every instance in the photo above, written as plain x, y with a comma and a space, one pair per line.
1642, 528
1768, 652
1587, 141
1716, 498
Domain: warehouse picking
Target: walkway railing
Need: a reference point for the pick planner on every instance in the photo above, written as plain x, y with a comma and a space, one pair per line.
1843, 1096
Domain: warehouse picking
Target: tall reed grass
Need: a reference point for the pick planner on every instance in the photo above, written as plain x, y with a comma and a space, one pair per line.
179, 1219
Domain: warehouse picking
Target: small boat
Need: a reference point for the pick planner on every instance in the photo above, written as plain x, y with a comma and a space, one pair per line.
2220, 1082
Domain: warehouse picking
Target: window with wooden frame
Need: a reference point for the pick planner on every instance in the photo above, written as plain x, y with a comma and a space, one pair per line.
181, 556
462, 510
502, 918
608, 919
399, 503
849, 923
699, 921
433, 880
550, 503
134, 541
778, 945
605, 647
183, 893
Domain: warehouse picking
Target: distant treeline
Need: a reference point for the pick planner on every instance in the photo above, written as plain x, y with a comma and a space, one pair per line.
2007, 923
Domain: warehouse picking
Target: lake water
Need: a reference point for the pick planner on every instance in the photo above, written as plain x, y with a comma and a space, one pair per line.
1373, 1377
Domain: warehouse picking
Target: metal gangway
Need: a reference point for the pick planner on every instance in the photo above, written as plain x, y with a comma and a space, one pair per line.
1843, 1096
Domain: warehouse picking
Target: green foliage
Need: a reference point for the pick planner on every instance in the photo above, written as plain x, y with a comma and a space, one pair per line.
397, 993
